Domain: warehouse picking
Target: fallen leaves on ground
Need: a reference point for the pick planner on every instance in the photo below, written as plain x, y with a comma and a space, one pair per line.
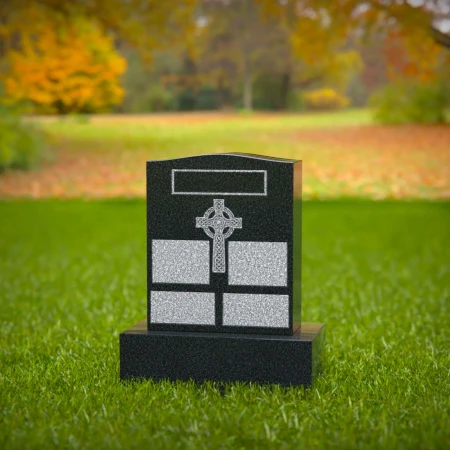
366, 161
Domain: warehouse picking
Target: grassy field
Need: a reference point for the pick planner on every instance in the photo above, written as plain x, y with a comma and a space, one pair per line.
72, 276
344, 154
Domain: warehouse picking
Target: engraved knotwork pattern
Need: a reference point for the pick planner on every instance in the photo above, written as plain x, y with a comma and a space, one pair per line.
218, 223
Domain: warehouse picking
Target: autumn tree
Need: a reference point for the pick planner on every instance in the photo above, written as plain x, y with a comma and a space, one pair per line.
142, 24
75, 69
58, 46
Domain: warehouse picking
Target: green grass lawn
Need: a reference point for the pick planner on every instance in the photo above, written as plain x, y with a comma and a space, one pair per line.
72, 277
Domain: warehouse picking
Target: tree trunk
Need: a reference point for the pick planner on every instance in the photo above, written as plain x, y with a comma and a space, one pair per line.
248, 84
220, 93
284, 90
246, 47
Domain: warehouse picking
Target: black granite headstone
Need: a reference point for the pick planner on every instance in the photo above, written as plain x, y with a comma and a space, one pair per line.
224, 248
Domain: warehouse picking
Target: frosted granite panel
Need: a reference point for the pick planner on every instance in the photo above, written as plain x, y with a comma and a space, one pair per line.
176, 261
256, 310
257, 263
188, 308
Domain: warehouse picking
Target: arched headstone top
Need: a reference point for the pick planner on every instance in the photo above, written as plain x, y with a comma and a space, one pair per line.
249, 156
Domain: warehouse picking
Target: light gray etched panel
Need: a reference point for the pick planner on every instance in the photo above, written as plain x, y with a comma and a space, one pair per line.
180, 261
256, 310
188, 308
257, 263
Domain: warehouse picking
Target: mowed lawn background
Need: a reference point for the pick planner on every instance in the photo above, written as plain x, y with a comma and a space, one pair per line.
376, 270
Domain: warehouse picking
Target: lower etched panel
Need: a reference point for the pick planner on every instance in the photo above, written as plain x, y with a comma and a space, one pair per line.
187, 308
256, 310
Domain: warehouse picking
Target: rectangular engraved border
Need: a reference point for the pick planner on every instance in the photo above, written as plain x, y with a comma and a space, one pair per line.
219, 193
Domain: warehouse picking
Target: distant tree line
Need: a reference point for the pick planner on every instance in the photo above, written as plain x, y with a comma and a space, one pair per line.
139, 56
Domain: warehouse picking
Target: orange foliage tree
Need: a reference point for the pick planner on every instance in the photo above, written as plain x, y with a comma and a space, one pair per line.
416, 57
415, 48
69, 70
143, 24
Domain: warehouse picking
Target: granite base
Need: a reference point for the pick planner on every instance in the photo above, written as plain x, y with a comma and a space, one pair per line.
285, 360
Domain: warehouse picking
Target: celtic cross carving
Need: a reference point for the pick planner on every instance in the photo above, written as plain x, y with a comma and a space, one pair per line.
218, 223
